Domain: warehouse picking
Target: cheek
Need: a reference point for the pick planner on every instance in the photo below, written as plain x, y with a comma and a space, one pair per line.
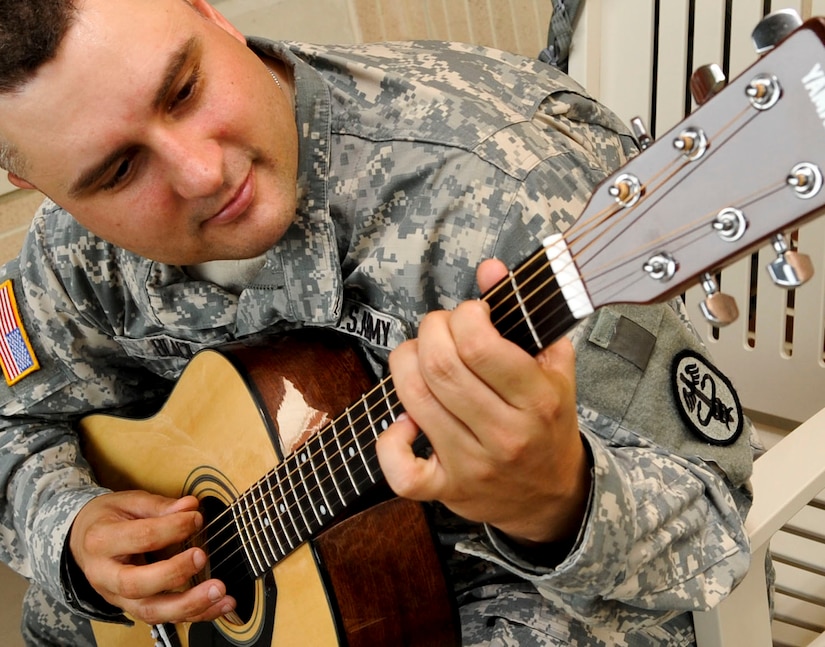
127, 221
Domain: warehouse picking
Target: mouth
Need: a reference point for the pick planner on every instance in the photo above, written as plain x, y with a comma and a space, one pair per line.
238, 203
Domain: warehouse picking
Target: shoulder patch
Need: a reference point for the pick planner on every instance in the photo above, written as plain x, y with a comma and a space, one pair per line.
706, 399
16, 353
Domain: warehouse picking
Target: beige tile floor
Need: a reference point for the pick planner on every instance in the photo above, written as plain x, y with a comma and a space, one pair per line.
12, 587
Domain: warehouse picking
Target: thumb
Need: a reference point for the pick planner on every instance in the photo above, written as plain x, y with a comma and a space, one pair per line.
408, 475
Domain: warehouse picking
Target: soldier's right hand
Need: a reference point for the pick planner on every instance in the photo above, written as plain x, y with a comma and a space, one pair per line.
109, 540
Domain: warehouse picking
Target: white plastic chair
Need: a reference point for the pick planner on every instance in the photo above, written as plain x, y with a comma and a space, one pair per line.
636, 56
785, 480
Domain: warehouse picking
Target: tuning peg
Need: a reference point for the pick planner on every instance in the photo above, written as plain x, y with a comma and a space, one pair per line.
790, 269
718, 308
773, 28
640, 131
706, 82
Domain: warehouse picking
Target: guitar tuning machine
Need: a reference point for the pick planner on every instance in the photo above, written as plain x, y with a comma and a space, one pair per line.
640, 132
773, 28
661, 267
692, 142
806, 179
705, 82
790, 269
730, 223
626, 190
718, 308
763, 91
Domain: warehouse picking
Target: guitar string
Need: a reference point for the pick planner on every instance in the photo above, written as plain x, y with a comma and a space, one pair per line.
289, 476
597, 219
669, 177
366, 482
695, 226
298, 499
308, 496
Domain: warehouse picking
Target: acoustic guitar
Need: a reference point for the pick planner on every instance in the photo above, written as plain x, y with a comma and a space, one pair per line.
278, 443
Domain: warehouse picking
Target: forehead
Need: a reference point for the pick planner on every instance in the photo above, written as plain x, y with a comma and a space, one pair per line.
105, 73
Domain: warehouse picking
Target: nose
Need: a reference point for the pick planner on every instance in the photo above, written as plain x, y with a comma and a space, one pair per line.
194, 164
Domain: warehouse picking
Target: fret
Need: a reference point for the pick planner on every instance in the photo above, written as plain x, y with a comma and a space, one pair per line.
369, 409
293, 472
369, 440
506, 314
343, 456
256, 530
331, 469
284, 509
336, 465
268, 530
271, 506
387, 401
522, 308
325, 477
360, 449
321, 505
247, 540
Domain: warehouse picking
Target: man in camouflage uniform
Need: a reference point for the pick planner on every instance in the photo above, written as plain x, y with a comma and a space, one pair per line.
581, 503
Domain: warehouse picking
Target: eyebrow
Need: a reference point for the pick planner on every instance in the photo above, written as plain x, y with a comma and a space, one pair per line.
176, 62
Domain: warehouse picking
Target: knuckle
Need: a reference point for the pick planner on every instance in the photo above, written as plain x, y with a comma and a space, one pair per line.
95, 540
403, 486
126, 583
485, 472
510, 448
150, 614
180, 576
439, 367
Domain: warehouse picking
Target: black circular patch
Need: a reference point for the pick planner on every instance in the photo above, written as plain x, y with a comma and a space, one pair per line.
706, 399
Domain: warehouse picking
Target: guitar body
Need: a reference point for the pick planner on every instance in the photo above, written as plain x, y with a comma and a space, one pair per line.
372, 578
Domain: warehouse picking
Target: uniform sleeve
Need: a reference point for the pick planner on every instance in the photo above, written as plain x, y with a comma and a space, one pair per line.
663, 536
72, 368
44, 479
664, 531
45, 483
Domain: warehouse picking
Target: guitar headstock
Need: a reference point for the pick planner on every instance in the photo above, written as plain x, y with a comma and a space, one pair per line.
744, 167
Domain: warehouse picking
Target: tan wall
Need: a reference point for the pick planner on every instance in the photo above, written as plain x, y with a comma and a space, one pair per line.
16, 209
515, 25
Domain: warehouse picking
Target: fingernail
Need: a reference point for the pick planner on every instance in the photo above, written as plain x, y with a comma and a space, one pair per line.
199, 558
214, 594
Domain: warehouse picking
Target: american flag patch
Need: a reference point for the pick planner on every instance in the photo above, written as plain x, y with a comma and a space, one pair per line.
16, 353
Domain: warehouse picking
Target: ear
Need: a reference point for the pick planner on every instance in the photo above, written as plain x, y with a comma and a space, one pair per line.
20, 183
213, 15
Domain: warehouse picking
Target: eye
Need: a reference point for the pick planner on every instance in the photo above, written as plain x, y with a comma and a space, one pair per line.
187, 90
120, 175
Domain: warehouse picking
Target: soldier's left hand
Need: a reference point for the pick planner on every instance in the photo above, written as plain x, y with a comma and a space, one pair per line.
502, 424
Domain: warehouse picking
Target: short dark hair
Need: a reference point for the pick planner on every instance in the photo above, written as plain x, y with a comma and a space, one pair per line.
30, 34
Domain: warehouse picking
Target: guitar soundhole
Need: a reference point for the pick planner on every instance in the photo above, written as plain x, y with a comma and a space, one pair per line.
227, 560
